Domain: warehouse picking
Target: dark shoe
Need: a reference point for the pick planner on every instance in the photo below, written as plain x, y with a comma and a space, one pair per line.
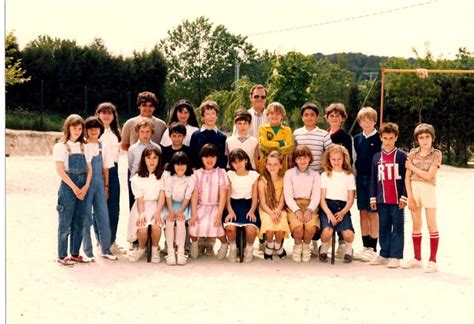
268, 256
282, 254
323, 257
347, 258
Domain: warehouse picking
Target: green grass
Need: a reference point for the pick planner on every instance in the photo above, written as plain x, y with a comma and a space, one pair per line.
33, 120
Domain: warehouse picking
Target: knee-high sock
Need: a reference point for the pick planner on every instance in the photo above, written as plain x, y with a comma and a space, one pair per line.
417, 245
169, 232
434, 241
180, 235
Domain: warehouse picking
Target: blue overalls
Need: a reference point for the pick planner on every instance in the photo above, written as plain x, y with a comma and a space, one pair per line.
70, 209
96, 201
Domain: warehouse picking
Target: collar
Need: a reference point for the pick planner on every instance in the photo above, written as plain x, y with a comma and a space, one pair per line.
307, 172
255, 113
203, 128
371, 134
242, 138
313, 130
418, 150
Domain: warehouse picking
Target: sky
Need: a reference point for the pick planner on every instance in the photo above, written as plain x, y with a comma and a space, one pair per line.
390, 28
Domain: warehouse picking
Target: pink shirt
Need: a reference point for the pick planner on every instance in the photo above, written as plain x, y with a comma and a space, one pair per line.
302, 185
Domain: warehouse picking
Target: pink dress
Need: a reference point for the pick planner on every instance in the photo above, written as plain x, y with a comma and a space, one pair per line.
208, 183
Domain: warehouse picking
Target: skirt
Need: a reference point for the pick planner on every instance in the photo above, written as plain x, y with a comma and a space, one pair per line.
241, 207
150, 209
204, 226
269, 225
176, 206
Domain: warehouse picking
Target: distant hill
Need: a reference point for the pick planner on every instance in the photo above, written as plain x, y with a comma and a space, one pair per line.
362, 65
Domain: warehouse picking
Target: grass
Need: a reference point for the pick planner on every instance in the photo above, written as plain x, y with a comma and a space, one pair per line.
32, 120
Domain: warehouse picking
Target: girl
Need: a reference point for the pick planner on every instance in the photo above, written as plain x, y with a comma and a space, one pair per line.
147, 187
302, 188
111, 139
272, 206
183, 113
337, 196
275, 136
73, 166
422, 165
96, 198
179, 186
241, 203
208, 202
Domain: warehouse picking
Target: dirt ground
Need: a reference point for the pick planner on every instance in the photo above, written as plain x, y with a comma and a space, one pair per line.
38, 290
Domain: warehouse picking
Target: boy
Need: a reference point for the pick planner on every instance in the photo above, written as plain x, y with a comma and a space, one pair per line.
366, 144
177, 133
209, 134
317, 139
388, 196
422, 165
241, 138
145, 129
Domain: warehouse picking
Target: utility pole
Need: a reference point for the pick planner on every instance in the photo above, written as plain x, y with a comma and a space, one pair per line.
237, 71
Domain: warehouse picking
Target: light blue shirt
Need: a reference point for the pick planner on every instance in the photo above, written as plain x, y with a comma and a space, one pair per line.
134, 155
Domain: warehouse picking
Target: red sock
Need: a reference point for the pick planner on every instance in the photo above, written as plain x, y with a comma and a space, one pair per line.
417, 245
434, 240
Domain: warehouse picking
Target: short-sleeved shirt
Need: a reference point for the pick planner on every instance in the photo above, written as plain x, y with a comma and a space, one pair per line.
147, 188
337, 185
249, 144
60, 152
130, 136
134, 155
317, 140
179, 188
424, 163
111, 142
242, 185
107, 159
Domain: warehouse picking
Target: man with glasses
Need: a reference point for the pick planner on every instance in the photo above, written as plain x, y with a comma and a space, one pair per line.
258, 98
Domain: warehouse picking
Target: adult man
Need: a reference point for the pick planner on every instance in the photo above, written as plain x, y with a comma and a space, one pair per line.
258, 98
146, 102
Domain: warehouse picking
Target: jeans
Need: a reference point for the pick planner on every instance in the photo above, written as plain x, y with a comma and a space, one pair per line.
391, 235
113, 203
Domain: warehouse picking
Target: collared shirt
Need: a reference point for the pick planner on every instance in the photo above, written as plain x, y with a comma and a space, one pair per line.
134, 155
302, 185
424, 162
204, 127
179, 188
371, 134
257, 121
111, 143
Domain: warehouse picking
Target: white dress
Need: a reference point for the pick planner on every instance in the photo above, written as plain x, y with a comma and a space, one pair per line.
149, 189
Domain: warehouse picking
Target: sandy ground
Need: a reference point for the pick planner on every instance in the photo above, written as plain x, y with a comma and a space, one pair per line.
41, 291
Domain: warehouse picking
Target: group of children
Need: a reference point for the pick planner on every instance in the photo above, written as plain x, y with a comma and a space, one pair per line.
305, 186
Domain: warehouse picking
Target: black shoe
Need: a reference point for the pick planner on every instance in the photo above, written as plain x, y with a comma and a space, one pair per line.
268, 256
347, 258
323, 257
282, 254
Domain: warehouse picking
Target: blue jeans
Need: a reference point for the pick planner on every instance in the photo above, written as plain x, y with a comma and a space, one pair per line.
131, 196
113, 203
391, 227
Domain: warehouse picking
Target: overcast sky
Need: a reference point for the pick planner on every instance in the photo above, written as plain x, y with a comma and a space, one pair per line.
332, 26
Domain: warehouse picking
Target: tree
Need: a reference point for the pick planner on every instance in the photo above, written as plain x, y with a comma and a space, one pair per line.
202, 58
14, 74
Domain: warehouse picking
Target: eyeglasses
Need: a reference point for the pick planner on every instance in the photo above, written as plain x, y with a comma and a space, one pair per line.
259, 97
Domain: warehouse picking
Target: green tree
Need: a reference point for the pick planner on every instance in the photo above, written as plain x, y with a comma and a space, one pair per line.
201, 58
14, 74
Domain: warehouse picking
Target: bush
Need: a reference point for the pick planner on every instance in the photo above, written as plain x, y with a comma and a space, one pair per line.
22, 119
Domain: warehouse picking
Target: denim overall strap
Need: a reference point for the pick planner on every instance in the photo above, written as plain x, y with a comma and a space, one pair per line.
77, 161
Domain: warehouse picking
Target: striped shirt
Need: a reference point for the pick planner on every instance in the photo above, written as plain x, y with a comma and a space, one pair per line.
317, 140
257, 121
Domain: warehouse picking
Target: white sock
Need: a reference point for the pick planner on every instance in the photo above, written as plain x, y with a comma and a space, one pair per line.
233, 245
269, 248
348, 248
324, 247
278, 248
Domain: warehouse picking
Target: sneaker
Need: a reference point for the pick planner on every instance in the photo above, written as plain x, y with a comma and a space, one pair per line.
109, 256
297, 251
412, 264
323, 257
171, 259
194, 253
248, 254
136, 255
341, 250
315, 250
369, 255
347, 258
393, 263
232, 253
181, 259
222, 253
431, 267
80, 259
115, 249
378, 260
306, 255
66, 262
358, 255
155, 255
89, 258
282, 255
210, 242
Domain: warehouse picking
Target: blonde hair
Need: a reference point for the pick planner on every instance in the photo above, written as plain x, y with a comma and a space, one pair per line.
73, 120
270, 193
277, 108
367, 112
424, 129
335, 148
339, 108
144, 122
209, 105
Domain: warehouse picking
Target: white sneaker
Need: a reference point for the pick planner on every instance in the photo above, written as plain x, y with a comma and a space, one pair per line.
194, 253
358, 255
393, 263
248, 254
297, 251
341, 250
136, 255
115, 249
378, 260
431, 267
306, 255
232, 253
109, 256
210, 242
155, 255
171, 259
412, 264
182, 259
315, 250
222, 253
369, 255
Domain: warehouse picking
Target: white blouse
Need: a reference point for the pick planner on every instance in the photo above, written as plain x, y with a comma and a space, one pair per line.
147, 188
111, 142
242, 185
166, 140
179, 188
